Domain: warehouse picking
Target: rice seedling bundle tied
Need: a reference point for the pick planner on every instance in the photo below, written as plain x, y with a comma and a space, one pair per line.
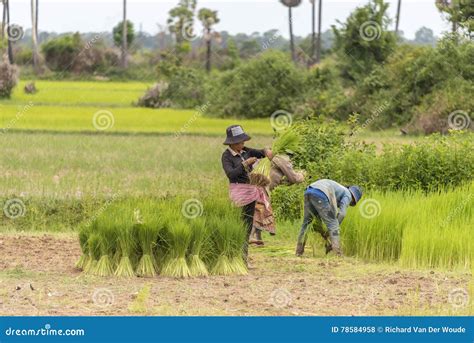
288, 141
150, 237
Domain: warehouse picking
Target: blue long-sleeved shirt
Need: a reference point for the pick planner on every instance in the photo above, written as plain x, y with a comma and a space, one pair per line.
336, 191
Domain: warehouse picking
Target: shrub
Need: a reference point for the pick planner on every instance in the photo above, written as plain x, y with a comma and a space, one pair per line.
452, 98
257, 88
155, 97
436, 163
60, 52
8, 78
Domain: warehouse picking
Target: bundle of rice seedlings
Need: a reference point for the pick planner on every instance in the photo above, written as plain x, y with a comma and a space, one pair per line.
288, 141
147, 228
259, 179
93, 247
178, 236
83, 238
127, 245
237, 238
228, 252
108, 238
199, 242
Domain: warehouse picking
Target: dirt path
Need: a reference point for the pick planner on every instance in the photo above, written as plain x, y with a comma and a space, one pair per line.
37, 277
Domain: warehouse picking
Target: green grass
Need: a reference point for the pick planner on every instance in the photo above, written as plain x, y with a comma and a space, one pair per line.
59, 166
416, 230
71, 106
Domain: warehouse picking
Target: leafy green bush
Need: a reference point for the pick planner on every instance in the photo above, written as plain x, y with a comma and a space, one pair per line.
434, 164
60, 52
364, 40
412, 73
257, 88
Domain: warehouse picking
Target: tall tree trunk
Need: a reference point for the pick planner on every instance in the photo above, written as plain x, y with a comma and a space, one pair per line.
313, 28
292, 42
398, 16
320, 16
124, 36
4, 19
34, 34
208, 56
10, 47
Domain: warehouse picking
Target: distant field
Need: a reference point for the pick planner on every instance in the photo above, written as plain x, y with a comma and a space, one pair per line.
71, 106
64, 165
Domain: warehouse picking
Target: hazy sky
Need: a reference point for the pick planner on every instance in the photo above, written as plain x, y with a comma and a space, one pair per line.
236, 16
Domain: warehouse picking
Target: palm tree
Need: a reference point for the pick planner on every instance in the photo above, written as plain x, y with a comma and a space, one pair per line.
34, 34
313, 30
208, 19
6, 15
124, 36
290, 4
398, 16
320, 16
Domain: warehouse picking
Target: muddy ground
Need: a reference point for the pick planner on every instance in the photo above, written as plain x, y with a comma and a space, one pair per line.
38, 277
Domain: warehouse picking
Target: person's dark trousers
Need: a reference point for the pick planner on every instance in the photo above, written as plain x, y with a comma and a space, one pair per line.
247, 215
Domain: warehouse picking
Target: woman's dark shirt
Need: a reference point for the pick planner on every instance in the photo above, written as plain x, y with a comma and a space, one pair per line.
232, 163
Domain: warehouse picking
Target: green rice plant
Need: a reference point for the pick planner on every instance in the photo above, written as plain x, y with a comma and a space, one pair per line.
414, 229
228, 235
93, 244
178, 236
127, 243
83, 238
198, 246
288, 141
108, 238
147, 228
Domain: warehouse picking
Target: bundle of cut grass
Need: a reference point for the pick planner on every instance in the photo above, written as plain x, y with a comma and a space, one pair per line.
198, 246
288, 141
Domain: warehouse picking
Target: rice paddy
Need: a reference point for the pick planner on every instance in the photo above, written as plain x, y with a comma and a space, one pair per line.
119, 198
416, 230
106, 107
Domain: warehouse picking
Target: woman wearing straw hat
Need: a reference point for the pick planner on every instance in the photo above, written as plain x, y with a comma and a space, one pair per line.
237, 162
